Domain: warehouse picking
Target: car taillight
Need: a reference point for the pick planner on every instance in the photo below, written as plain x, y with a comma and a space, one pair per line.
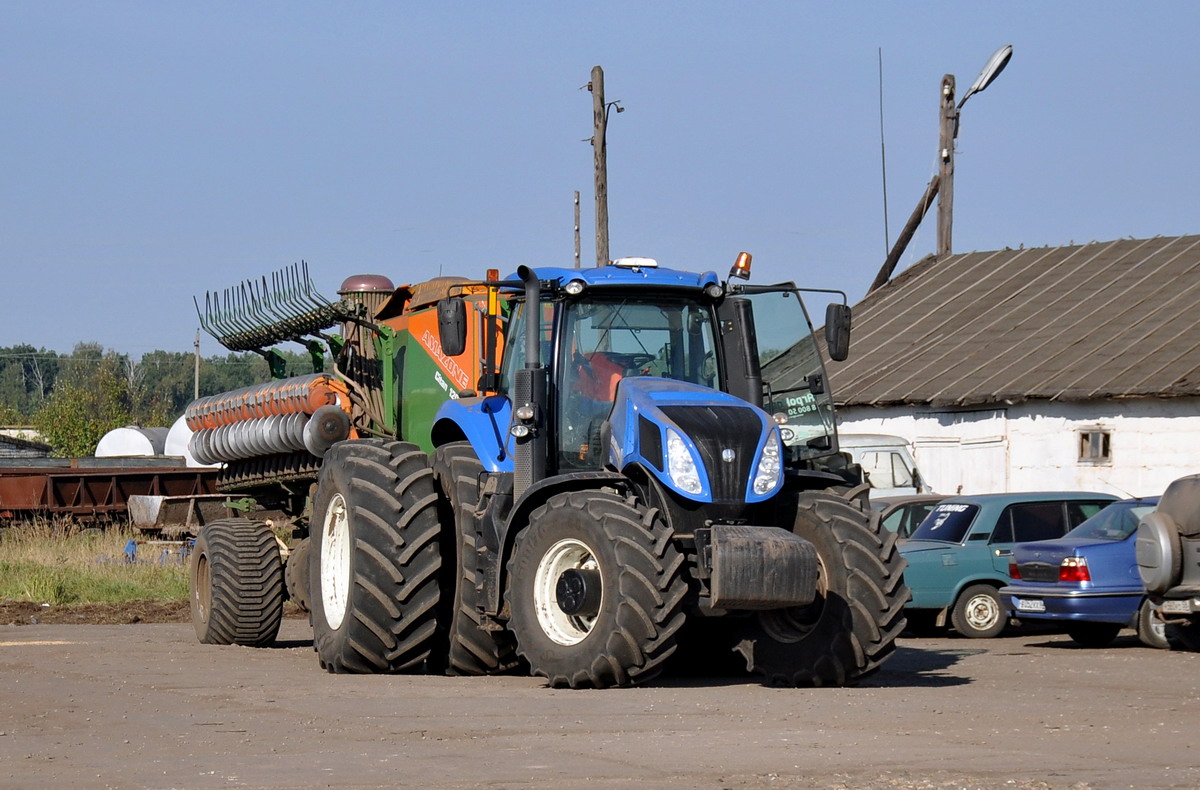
1074, 569
1013, 571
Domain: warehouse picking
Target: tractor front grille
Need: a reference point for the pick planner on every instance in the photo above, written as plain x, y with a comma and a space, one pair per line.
715, 429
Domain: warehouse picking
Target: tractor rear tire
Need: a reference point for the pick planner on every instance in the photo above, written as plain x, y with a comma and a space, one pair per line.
471, 648
236, 583
629, 608
375, 558
1093, 634
850, 629
296, 575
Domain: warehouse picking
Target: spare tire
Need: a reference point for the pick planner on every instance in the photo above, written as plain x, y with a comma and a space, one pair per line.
1181, 501
1157, 549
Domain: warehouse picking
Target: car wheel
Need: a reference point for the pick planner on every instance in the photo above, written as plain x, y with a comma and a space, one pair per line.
1150, 627
1093, 634
978, 613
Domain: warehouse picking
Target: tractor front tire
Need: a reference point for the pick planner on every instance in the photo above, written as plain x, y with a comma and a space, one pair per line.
375, 558
236, 583
596, 591
850, 629
471, 648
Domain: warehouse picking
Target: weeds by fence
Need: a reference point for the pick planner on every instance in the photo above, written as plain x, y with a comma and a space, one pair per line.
58, 562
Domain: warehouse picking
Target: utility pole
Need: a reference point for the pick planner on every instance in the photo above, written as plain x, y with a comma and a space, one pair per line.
196, 377
947, 132
941, 185
600, 150
576, 228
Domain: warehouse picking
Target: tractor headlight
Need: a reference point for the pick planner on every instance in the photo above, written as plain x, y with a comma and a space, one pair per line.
766, 477
681, 465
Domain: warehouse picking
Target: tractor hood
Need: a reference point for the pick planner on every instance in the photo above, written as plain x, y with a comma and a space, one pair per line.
703, 444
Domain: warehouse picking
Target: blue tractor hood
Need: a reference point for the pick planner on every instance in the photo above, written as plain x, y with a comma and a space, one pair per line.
723, 439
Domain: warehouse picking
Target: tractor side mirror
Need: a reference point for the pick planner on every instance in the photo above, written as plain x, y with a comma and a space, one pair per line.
837, 331
452, 326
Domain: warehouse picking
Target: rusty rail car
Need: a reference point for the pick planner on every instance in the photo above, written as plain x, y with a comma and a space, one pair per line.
88, 489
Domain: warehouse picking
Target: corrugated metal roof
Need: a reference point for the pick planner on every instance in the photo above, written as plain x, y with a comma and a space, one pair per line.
1107, 319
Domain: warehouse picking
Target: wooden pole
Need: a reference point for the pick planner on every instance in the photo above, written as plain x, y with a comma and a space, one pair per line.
947, 132
889, 265
196, 376
601, 164
576, 228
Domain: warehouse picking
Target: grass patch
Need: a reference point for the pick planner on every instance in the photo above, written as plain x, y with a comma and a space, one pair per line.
57, 562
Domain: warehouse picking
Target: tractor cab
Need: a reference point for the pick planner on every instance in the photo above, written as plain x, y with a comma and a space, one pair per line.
747, 387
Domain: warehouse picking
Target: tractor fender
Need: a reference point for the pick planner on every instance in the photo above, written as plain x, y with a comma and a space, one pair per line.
481, 421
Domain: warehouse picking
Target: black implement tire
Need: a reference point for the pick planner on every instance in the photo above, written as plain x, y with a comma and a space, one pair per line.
471, 649
236, 583
296, 575
1151, 629
1093, 634
850, 629
375, 558
627, 630
978, 613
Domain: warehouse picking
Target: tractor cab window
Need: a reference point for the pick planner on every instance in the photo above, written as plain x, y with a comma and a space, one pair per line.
514, 345
604, 341
794, 380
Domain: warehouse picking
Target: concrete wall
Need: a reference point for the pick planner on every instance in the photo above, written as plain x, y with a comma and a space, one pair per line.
1037, 445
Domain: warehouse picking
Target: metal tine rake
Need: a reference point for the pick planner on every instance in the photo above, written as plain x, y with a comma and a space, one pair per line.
259, 313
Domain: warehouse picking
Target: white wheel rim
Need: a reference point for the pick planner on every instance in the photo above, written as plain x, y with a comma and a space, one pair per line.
562, 628
982, 612
335, 562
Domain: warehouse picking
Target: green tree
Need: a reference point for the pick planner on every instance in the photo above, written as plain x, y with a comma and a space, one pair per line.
76, 416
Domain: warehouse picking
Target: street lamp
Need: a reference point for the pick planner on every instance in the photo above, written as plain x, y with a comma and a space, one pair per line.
948, 133
942, 184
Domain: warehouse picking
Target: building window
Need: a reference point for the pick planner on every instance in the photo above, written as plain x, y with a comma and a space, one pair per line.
1095, 446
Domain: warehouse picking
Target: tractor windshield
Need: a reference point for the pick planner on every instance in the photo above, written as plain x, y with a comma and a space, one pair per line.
794, 379
605, 340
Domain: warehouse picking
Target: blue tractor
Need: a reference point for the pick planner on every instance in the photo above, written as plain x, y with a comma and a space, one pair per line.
650, 474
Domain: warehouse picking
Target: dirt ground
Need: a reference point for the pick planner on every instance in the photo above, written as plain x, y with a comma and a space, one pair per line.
145, 706
26, 613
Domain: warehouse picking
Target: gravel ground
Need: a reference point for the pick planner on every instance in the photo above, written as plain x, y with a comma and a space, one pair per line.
145, 706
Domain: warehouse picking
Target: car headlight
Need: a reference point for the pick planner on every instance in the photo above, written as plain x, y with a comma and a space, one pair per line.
681, 465
766, 477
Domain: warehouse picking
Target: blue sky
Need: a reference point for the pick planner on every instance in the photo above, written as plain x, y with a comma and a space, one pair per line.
155, 150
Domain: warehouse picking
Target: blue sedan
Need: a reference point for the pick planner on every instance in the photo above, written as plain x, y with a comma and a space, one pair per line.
1088, 579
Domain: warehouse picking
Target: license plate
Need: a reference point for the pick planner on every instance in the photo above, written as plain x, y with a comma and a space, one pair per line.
1030, 605
1177, 607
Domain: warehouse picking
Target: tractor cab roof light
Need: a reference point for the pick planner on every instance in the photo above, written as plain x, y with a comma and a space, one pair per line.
636, 263
741, 267
574, 287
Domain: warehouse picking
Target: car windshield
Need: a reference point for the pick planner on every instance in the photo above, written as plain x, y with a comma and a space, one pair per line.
948, 522
1115, 522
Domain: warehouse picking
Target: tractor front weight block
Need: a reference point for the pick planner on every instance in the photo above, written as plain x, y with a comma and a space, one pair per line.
757, 567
